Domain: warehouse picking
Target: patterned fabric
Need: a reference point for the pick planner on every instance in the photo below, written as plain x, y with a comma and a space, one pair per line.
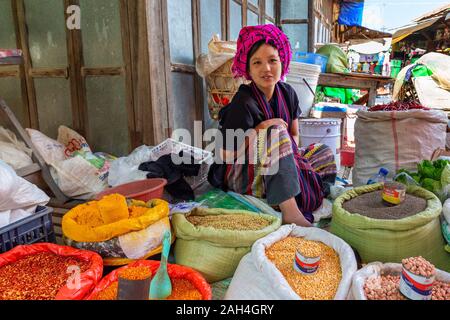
250, 177
249, 36
321, 158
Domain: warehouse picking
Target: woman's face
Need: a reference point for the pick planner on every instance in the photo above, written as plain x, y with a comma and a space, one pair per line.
265, 67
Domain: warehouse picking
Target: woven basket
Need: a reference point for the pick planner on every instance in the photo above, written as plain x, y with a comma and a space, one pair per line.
222, 86
408, 92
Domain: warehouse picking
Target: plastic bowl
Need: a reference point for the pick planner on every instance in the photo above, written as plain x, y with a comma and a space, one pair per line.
143, 190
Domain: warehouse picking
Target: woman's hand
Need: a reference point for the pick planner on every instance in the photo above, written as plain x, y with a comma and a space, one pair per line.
271, 122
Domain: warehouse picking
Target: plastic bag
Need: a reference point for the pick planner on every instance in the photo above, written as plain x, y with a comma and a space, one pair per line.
219, 52
79, 173
438, 63
77, 223
324, 212
72, 141
219, 199
129, 247
88, 279
126, 169
174, 271
18, 197
257, 278
13, 156
337, 59
220, 250
12, 151
376, 269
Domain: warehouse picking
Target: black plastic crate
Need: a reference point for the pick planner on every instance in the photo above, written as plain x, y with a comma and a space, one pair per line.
35, 228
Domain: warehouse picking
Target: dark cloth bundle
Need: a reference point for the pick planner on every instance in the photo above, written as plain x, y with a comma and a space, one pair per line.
165, 168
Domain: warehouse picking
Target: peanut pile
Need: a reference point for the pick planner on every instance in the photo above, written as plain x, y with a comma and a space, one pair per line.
419, 266
238, 222
386, 287
321, 285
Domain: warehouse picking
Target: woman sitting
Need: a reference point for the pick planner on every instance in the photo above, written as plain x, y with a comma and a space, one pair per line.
268, 163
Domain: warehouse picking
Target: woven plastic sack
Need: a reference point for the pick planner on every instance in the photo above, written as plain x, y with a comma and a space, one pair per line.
215, 253
381, 140
174, 271
88, 280
111, 217
376, 269
129, 247
337, 59
257, 278
392, 240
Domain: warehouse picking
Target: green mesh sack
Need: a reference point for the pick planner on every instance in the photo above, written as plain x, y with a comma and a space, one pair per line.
337, 59
392, 240
213, 252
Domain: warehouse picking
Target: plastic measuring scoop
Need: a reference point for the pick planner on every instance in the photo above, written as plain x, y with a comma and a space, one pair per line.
161, 287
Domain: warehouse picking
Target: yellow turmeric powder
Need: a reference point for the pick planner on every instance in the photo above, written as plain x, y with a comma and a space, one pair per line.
89, 216
98, 221
113, 208
137, 211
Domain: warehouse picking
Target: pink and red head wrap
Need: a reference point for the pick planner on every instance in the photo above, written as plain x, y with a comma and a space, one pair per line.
251, 35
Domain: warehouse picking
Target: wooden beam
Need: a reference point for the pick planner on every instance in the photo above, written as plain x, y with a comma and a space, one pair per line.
135, 25
311, 25
144, 114
21, 30
262, 11
99, 72
160, 87
198, 81
252, 7
22, 72
244, 13
49, 73
9, 73
294, 21
183, 68
278, 12
75, 59
224, 19
127, 60
168, 76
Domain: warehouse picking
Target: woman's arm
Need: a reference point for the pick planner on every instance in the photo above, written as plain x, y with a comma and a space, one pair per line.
295, 132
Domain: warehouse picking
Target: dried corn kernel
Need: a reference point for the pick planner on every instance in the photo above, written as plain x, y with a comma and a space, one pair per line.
323, 284
312, 250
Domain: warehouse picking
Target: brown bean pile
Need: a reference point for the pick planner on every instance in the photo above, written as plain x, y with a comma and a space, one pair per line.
419, 266
387, 287
371, 205
238, 222
441, 291
321, 285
